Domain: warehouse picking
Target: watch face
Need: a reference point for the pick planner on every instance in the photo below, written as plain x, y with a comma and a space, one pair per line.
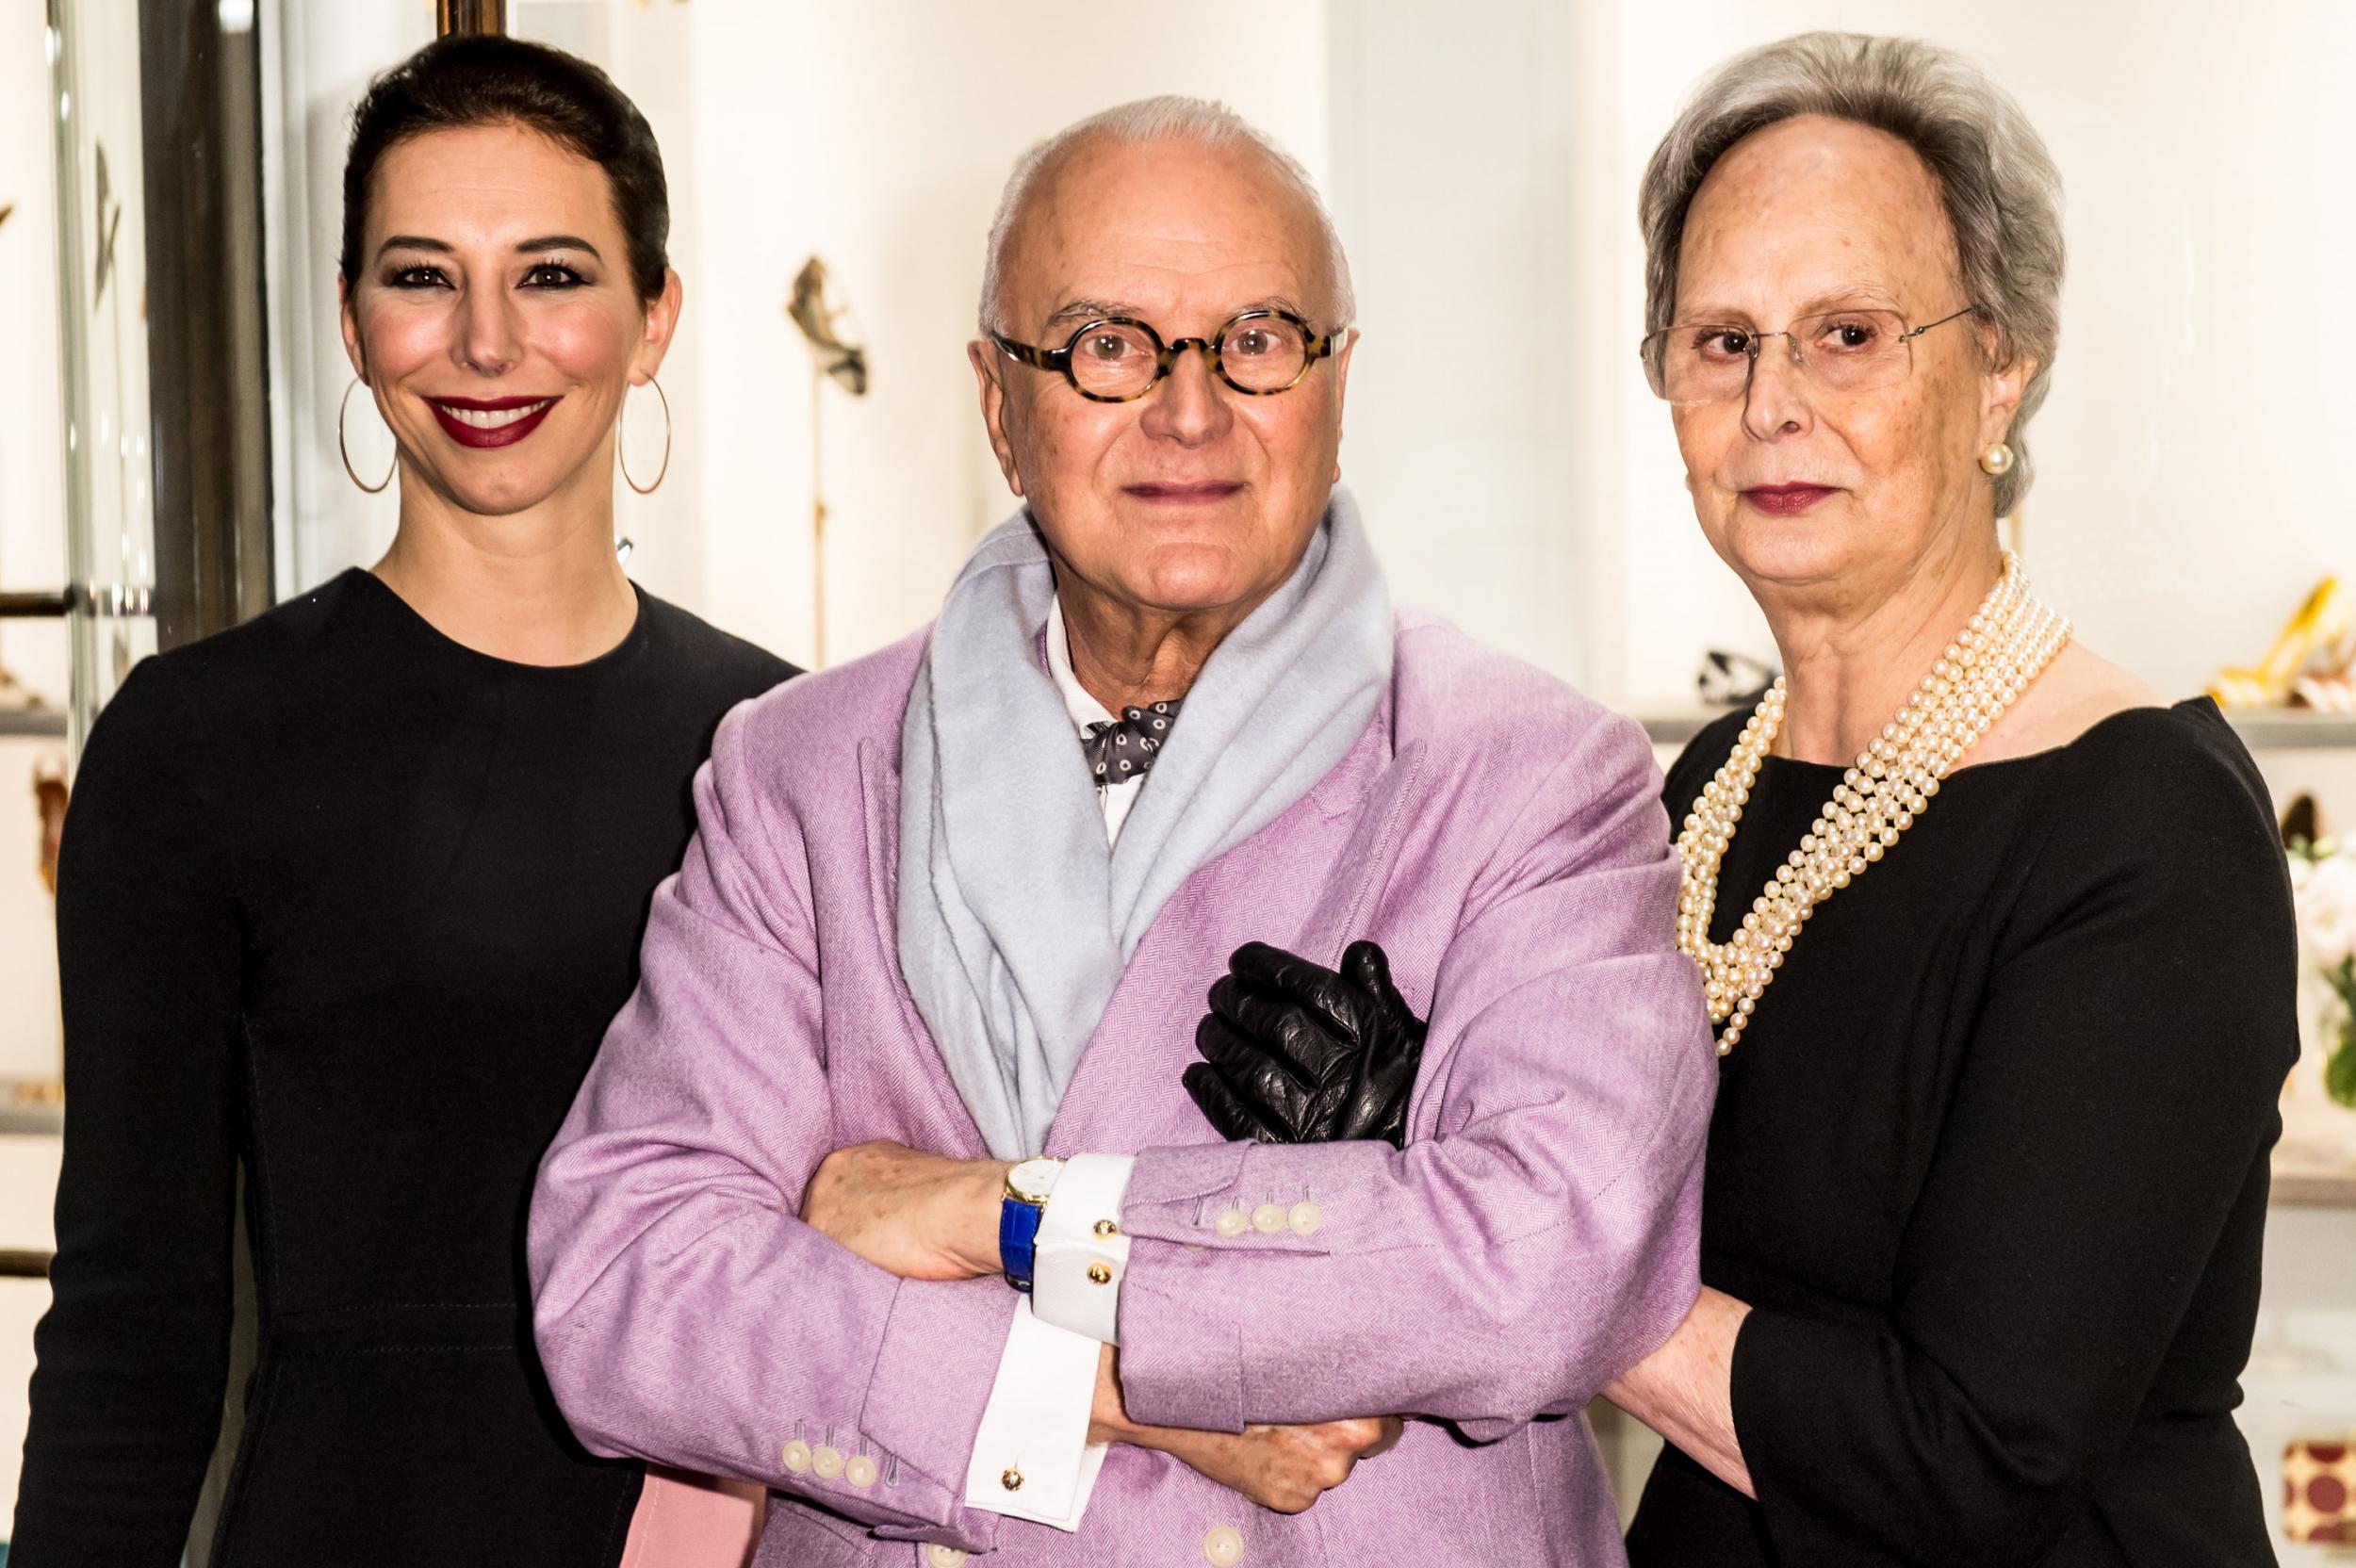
1033, 1180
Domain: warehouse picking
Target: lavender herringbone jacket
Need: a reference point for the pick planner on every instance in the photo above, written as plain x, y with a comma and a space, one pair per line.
1497, 833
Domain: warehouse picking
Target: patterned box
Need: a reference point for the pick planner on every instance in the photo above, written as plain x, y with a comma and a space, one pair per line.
2319, 1493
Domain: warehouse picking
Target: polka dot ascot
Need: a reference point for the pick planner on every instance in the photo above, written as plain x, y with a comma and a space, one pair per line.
1125, 748
1990, 662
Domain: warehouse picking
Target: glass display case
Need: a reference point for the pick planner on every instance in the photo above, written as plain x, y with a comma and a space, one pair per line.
103, 321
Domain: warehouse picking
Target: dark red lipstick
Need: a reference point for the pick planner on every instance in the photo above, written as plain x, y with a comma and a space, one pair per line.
1786, 501
495, 421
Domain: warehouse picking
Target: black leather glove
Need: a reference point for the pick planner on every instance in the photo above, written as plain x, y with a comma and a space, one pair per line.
1293, 1052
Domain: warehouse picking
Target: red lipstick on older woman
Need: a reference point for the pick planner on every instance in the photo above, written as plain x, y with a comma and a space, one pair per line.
1786, 500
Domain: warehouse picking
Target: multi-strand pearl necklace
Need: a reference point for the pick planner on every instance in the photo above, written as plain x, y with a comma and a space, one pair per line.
1991, 661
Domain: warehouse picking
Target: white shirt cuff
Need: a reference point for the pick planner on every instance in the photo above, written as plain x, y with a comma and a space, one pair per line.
1082, 1255
1032, 1459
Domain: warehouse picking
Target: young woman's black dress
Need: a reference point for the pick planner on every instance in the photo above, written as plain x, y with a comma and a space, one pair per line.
350, 905
1991, 1167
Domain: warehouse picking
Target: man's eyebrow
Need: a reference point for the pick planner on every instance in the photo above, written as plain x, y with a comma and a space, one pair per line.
1274, 301
1085, 310
1096, 310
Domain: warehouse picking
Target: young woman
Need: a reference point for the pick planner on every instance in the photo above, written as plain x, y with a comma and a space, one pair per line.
350, 893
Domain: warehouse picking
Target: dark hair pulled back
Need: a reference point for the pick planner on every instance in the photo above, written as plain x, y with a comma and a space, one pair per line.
483, 79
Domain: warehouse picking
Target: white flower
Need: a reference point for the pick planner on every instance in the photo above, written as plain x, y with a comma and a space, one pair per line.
2326, 897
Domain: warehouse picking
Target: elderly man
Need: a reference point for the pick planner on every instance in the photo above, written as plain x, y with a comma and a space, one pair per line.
954, 908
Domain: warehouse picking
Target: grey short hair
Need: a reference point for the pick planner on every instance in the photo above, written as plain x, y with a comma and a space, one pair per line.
1999, 185
1166, 118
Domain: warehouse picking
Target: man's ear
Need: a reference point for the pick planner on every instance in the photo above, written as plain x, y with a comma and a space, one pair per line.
1341, 393
983, 355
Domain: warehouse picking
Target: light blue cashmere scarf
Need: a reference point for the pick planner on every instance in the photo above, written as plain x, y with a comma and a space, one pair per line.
1015, 919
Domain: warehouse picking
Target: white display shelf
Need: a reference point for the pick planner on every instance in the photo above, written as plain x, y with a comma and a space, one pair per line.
2311, 1173
32, 721
2293, 729
31, 1109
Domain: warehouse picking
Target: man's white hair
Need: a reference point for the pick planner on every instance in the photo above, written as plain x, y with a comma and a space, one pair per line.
1172, 118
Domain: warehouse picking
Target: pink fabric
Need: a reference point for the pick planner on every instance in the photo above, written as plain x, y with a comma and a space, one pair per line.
685, 1521
1499, 834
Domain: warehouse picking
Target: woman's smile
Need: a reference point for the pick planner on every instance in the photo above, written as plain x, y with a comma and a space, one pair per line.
481, 422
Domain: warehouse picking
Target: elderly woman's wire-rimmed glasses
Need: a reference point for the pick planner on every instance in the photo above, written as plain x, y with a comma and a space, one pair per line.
1116, 360
1839, 350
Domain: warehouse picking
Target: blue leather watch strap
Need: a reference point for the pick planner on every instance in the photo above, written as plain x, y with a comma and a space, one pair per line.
1018, 1241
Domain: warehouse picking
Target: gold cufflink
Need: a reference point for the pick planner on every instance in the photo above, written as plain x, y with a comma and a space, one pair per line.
1011, 1480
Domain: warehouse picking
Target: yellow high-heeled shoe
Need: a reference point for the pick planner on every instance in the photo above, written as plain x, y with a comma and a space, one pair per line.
2321, 623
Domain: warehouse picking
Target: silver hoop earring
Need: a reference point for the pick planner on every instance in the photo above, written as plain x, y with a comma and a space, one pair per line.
621, 431
1997, 461
345, 452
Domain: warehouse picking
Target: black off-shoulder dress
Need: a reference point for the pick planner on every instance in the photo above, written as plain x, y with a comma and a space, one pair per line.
1990, 1164
351, 905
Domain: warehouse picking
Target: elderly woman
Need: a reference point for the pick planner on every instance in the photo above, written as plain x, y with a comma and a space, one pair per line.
1998, 945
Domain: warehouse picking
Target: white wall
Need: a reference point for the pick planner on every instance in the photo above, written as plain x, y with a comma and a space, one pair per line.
1456, 161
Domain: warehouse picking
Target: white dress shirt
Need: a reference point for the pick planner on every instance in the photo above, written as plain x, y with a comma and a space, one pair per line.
1034, 1430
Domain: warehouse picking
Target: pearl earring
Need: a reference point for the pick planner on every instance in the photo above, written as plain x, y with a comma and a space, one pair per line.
1997, 461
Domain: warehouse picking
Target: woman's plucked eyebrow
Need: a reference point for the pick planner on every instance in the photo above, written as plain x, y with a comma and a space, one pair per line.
558, 242
443, 246
416, 242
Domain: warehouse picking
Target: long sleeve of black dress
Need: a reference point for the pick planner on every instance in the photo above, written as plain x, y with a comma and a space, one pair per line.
133, 1356
1995, 1182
